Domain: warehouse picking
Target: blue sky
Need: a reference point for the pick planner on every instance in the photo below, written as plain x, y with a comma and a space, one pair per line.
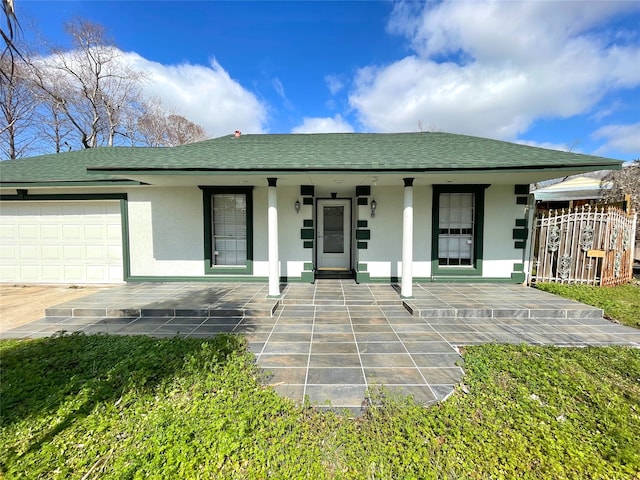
559, 74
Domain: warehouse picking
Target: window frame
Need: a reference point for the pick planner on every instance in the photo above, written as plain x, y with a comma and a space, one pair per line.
475, 269
209, 267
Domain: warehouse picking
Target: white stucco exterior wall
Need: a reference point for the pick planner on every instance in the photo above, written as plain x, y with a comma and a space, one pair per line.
384, 253
292, 253
260, 232
166, 233
500, 212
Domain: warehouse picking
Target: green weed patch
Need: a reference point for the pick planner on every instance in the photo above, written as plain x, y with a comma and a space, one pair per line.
102, 406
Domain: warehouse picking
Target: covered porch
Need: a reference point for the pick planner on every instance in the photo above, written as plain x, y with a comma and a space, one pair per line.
333, 340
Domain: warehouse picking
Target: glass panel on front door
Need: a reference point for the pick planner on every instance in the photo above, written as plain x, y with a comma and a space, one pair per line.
333, 237
455, 229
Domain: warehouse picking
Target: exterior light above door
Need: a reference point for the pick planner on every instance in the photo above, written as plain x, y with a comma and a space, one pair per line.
374, 205
297, 206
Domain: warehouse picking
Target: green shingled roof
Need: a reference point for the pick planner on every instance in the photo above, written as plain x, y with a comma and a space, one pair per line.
292, 152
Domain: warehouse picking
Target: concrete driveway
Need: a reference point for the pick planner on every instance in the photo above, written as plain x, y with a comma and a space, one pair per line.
20, 304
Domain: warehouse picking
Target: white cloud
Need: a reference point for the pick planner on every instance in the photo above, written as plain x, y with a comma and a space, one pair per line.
279, 88
334, 83
206, 95
336, 124
624, 138
507, 64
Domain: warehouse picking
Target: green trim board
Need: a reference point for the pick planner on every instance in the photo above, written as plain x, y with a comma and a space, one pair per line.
307, 244
307, 223
38, 197
307, 201
308, 190
476, 268
521, 189
520, 234
107, 183
518, 277
363, 234
307, 277
363, 224
307, 233
370, 279
209, 267
363, 201
209, 278
363, 190
462, 279
126, 249
362, 245
362, 277
583, 168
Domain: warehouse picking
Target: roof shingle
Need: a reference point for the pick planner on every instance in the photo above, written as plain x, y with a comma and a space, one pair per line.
298, 152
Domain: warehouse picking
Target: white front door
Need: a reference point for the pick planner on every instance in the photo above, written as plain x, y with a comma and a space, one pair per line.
334, 234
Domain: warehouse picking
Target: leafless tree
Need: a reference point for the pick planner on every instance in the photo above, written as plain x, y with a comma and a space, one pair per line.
8, 34
89, 84
80, 98
53, 126
625, 182
17, 110
151, 127
156, 128
182, 131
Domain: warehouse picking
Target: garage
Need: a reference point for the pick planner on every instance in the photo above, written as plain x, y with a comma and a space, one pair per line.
61, 242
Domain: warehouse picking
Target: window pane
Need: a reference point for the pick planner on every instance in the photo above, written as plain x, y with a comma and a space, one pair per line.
229, 212
455, 229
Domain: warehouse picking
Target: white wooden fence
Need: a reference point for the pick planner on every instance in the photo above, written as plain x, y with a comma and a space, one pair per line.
590, 245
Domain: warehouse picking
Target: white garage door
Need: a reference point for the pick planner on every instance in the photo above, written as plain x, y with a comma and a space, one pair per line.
60, 242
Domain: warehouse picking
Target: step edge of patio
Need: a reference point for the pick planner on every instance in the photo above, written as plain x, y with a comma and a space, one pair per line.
581, 312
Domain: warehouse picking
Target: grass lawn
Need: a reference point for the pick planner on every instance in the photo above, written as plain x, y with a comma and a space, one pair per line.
100, 406
620, 303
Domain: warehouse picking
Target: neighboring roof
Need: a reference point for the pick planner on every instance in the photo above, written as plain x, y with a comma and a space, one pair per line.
576, 188
333, 152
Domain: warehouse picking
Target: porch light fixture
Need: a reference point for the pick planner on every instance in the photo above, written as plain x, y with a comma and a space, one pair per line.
297, 206
374, 205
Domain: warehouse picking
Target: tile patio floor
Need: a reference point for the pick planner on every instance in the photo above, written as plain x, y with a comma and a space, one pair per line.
332, 340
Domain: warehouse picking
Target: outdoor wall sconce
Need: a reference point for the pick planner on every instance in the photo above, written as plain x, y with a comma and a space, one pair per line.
297, 206
374, 205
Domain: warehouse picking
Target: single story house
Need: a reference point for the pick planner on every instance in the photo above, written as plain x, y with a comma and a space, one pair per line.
570, 193
385, 207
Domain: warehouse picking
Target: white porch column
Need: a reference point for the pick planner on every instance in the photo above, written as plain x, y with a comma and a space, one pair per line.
274, 271
406, 286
